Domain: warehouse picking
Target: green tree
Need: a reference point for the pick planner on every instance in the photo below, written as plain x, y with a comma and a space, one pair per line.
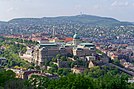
5, 76
16, 84
63, 71
63, 58
54, 59
58, 56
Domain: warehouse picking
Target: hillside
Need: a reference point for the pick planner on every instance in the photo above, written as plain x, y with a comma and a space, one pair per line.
81, 19
2, 22
63, 24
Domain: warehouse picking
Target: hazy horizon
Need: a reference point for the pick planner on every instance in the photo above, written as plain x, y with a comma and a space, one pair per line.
119, 9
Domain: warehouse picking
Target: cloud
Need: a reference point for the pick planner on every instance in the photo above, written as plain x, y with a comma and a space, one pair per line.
10, 9
96, 6
78, 6
133, 4
120, 3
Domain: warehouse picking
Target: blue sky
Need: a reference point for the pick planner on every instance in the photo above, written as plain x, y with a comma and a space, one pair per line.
120, 9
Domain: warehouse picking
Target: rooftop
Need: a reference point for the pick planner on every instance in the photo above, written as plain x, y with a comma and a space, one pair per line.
48, 44
84, 44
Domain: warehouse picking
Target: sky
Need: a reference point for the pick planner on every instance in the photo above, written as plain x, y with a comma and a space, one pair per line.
122, 10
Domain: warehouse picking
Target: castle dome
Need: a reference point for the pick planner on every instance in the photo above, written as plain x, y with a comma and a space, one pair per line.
76, 36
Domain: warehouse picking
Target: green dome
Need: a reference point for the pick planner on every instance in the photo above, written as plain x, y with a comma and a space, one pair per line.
76, 36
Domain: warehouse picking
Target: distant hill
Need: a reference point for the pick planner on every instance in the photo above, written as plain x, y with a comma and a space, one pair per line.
63, 24
1, 22
81, 19
132, 22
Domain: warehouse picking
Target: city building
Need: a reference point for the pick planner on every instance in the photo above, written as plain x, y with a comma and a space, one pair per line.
47, 51
77, 70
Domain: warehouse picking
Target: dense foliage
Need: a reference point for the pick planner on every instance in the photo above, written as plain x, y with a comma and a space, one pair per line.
8, 80
74, 81
5, 76
11, 48
92, 79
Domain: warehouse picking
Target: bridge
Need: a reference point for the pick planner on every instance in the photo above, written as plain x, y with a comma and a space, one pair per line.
131, 73
122, 69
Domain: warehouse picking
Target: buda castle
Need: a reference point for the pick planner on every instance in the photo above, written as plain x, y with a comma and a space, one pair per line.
48, 50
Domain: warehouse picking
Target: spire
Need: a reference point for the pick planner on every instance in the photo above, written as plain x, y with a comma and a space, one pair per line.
53, 32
